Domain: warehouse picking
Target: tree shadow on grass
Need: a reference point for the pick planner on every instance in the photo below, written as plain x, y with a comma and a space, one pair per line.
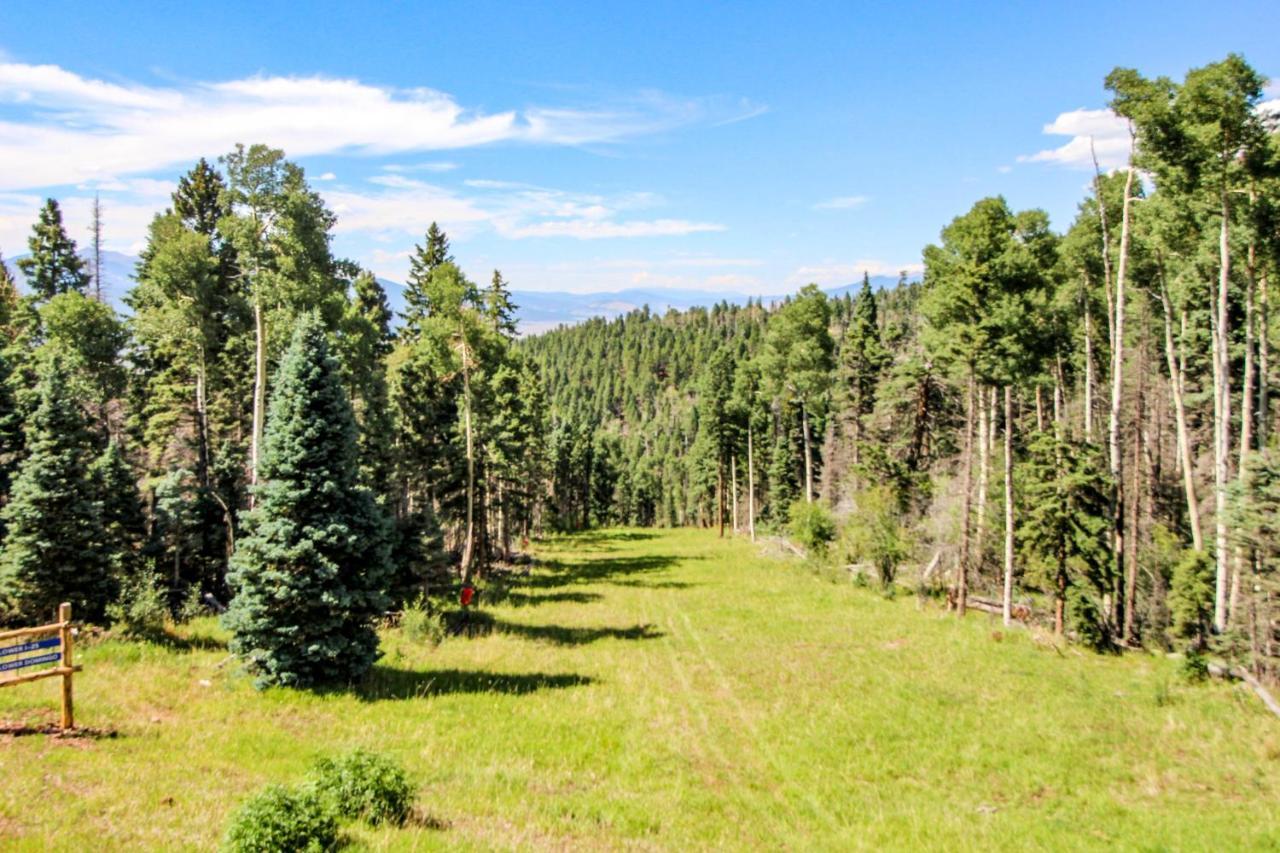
645, 584
600, 540
519, 599
480, 624
387, 682
558, 574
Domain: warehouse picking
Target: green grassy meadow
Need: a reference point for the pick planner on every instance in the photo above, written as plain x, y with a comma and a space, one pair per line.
669, 690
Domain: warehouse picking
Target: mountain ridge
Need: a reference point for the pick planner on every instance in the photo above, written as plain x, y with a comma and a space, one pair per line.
536, 310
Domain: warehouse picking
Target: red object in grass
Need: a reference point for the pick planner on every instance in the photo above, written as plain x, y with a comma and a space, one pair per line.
468, 593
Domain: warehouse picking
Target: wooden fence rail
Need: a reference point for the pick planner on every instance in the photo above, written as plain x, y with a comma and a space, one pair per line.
56, 635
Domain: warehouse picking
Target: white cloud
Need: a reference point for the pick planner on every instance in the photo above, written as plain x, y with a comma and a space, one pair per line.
606, 274
397, 206
1100, 131
595, 229
433, 166
76, 129
127, 210
327, 176
844, 202
830, 274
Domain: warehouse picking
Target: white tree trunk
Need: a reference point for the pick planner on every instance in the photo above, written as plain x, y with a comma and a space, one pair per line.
986, 430
1185, 459
259, 389
808, 455
469, 543
1088, 366
962, 581
1117, 390
1007, 599
751, 485
1222, 421
733, 488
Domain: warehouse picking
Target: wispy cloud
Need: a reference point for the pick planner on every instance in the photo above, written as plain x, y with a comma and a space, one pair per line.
399, 205
128, 208
837, 273
1100, 131
843, 202
430, 166
73, 129
596, 229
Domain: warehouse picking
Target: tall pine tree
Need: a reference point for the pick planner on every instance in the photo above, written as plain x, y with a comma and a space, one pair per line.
53, 266
310, 573
417, 290
55, 547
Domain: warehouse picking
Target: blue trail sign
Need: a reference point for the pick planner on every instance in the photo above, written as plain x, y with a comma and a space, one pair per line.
26, 648
23, 648
25, 662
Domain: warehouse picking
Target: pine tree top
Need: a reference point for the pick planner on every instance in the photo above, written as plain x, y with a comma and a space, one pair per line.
53, 266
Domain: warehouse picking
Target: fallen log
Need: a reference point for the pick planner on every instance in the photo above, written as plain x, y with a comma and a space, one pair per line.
933, 564
1021, 612
1220, 670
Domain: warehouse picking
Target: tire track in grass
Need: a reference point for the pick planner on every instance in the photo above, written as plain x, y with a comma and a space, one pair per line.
759, 745
729, 771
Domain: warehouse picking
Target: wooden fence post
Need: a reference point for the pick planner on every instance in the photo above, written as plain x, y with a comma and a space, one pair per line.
68, 665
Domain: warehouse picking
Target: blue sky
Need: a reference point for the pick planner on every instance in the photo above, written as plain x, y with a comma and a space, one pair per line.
744, 147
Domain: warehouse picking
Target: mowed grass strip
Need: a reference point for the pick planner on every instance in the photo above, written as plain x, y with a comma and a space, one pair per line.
670, 690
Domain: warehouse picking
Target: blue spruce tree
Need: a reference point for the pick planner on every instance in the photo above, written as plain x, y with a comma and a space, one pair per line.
310, 573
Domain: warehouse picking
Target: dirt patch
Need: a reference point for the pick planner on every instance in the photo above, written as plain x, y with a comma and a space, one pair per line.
10, 730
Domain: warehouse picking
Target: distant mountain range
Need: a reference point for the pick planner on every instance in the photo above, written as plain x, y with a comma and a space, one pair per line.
537, 311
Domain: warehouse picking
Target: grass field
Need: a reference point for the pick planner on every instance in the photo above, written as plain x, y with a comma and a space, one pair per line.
667, 690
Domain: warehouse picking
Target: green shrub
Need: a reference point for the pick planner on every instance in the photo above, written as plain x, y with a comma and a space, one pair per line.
191, 607
422, 622
364, 785
140, 611
812, 526
1195, 666
875, 534
1191, 596
283, 819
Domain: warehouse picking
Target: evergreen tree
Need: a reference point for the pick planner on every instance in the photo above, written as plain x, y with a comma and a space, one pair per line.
498, 307
55, 546
198, 200
364, 345
53, 266
797, 363
123, 522
311, 571
11, 442
424, 261
863, 359
8, 300
1065, 531
717, 422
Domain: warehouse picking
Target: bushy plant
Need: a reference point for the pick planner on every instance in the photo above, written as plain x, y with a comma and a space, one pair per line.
364, 785
875, 534
812, 525
1191, 596
285, 820
1195, 666
140, 611
192, 606
422, 622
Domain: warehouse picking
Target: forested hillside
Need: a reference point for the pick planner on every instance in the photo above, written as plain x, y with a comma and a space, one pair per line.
633, 407
1071, 425
1076, 423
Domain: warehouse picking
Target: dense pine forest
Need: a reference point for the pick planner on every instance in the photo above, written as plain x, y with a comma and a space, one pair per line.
1072, 426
